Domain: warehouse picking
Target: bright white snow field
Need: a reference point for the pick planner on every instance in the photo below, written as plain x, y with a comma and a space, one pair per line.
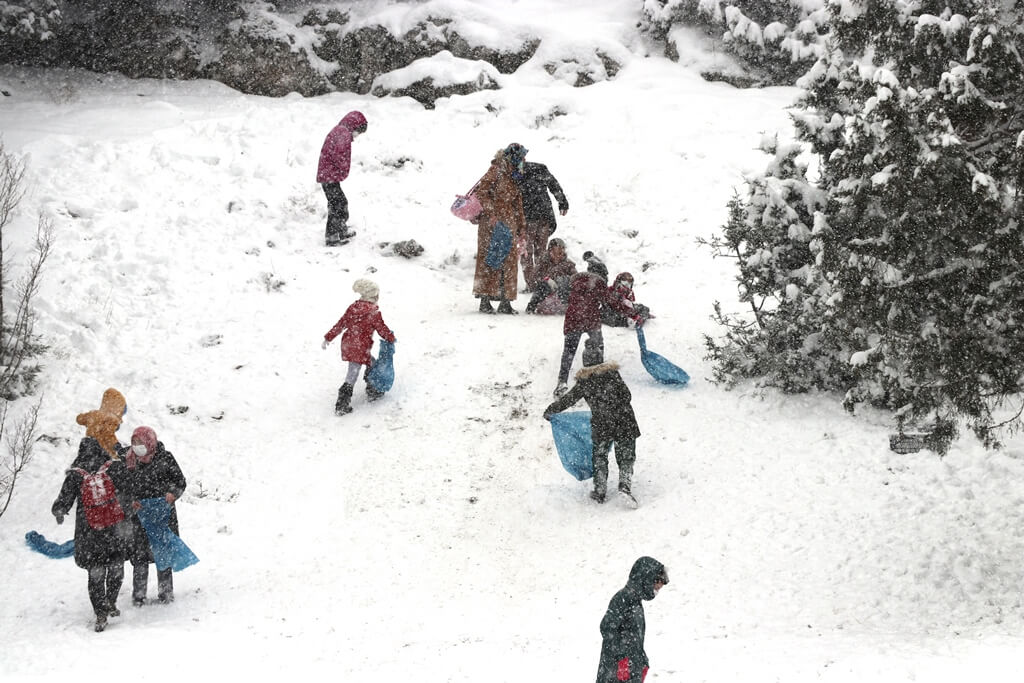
434, 536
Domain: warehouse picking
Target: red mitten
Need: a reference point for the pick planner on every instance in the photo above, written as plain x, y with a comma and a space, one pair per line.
623, 669
643, 675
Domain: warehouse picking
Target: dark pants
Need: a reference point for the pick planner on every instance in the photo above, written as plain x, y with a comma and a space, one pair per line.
594, 346
140, 579
337, 211
625, 456
104, 585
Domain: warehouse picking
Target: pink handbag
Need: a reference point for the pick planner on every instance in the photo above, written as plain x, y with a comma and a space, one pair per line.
467, 206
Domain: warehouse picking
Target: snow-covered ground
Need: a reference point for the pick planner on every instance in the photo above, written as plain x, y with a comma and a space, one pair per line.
434, 535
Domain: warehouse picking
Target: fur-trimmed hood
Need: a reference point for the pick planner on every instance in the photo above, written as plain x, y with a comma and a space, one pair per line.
591, 370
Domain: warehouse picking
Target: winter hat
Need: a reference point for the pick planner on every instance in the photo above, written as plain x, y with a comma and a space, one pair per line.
366, 289
595, 265
556, 242
101, 424
147, 437
623, 277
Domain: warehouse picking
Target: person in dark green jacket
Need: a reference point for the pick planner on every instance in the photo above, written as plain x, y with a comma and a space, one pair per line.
623, 659
611, 420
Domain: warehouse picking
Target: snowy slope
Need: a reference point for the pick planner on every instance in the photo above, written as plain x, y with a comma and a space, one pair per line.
434, 534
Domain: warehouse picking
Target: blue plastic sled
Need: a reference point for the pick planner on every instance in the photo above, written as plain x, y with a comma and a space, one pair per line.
168, 549
57, 551
660, 368
500, 246
571, 432
382, 373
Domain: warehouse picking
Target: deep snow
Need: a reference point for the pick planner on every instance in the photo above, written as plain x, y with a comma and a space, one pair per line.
434, 535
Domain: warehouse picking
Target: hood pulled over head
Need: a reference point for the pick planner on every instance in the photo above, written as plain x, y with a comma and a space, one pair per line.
643, 575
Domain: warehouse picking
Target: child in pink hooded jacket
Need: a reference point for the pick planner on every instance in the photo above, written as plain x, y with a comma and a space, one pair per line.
335, 162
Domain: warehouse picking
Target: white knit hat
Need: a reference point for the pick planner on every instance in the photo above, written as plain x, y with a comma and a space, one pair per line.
366, 289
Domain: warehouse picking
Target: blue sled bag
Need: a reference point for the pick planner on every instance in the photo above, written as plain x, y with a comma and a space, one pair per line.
659, 367
571, 432
382, 373
168, 549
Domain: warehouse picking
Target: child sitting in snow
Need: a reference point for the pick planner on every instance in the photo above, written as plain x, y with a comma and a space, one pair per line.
360, 321
622, 309
551, 290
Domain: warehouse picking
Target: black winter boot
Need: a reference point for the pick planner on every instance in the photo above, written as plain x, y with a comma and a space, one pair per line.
342, 407
372, 394
506, 308
485, 305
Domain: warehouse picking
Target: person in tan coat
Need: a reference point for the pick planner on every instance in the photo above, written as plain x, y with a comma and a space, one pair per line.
497, 260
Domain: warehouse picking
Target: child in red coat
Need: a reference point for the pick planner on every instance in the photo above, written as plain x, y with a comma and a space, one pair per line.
588, 293
622, 309
360, 321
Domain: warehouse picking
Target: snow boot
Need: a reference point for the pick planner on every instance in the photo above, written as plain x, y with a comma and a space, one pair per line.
101, 623
485, 305
600, 485
342, 407
505, 308
373, 394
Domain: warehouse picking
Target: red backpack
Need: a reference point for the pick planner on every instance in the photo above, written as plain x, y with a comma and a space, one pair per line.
99, 499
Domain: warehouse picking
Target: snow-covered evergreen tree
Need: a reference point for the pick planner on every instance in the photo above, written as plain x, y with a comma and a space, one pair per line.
915, 115
780, 38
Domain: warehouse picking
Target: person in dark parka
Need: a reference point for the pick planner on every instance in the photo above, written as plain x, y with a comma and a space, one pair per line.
535, 184
153, 473
101, 552
623, 659
612, 419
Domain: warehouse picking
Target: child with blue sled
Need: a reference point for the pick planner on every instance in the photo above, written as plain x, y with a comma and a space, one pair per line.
360, 321
612, 421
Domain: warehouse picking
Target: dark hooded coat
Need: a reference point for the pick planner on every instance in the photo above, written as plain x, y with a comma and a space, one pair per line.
154, 479
623, 625
93, 547
611, 410
537, 181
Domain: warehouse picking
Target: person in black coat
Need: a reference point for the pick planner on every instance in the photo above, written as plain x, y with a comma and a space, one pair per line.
612, 419
153, 473
535, 184
623, 659
101, 552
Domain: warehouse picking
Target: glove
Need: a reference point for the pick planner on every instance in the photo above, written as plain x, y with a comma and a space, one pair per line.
547, 416
59, 517
324, 345
623, 672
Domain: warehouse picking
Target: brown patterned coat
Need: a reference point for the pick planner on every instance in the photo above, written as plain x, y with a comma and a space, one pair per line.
500, 200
